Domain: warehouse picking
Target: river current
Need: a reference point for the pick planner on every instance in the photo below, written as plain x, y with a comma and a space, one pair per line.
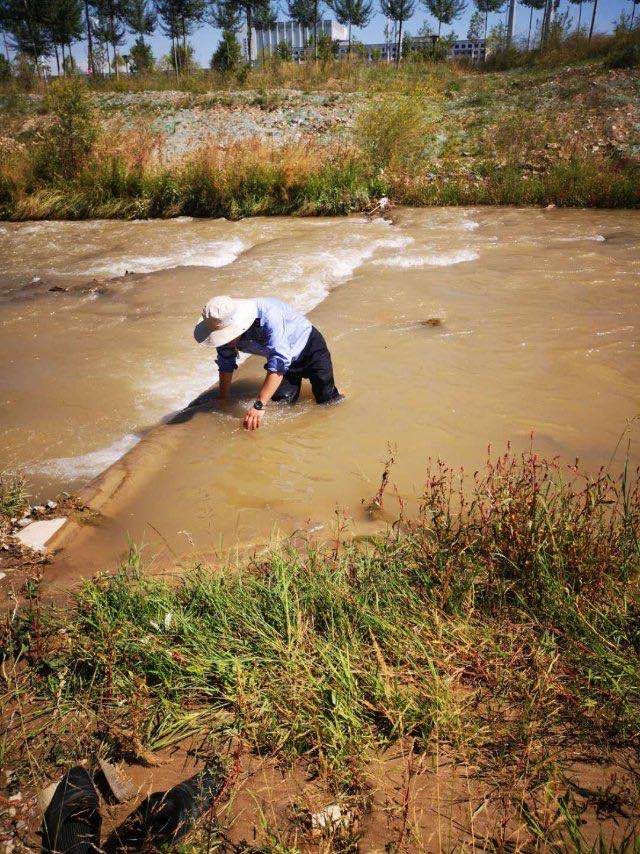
539, 316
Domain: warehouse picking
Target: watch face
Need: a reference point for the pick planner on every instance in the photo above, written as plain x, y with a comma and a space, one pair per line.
258, 405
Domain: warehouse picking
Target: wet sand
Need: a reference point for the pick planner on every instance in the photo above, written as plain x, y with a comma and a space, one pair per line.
539, 334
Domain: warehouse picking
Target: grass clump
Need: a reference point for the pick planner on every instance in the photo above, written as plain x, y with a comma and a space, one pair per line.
13, 495
503, 620
394, 133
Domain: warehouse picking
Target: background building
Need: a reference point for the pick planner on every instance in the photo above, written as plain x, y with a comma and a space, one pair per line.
295, 36
265, 41
386, 51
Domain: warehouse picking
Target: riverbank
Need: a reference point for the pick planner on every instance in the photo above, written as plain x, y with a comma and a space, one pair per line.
432, 136
483, 651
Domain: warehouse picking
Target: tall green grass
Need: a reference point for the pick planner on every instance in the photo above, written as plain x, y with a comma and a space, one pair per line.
527, 586
500, 622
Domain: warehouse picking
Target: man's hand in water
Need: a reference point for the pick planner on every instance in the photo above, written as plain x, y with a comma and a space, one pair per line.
253, 419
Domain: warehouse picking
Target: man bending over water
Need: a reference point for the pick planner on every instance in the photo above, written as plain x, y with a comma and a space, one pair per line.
294, 350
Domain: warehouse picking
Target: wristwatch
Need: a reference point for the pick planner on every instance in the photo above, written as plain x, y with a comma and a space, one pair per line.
259, 405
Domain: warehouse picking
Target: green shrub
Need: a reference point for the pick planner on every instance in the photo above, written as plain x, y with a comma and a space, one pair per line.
5, 69
227, 55
627, 56
73, 132
393, 132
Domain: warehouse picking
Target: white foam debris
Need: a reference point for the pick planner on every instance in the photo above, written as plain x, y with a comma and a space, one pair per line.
446, 259
39, 533
469, 225
90, 464
597, 238
329, 818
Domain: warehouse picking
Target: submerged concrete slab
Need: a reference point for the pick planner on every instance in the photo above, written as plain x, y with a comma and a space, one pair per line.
36, 535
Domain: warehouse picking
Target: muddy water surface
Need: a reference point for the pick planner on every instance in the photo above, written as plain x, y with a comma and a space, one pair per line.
540, 325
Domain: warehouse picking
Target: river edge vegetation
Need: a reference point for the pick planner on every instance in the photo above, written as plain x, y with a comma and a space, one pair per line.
499, 627
560, 128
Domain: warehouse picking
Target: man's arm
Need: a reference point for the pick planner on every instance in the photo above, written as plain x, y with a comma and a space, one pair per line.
253, 418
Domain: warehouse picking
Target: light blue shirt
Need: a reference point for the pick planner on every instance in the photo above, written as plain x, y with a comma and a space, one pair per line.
279, 333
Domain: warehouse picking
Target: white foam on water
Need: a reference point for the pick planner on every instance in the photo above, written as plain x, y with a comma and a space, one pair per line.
444, 260
614, 331
214, 253
597, 238
469, 225
338, 265
305, 282
90, 464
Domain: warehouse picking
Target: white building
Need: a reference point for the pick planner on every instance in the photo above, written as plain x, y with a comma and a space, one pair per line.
386, 51
265, 41
474, 50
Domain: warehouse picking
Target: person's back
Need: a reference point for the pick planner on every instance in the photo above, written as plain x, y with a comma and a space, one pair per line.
267, 326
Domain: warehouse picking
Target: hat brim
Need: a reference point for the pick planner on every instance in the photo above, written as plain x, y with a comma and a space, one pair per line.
245, 314
203, 334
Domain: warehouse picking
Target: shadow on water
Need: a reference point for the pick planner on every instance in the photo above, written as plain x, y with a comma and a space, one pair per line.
209, 401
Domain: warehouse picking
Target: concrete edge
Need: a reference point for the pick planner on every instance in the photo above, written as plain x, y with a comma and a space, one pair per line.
104, 486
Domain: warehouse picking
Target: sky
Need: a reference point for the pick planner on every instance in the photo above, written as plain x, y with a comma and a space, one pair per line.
205, 39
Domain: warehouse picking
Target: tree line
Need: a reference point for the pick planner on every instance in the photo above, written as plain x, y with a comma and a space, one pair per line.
41, 29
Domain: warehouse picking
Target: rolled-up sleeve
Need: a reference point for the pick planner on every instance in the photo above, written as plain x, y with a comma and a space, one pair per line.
279, 355
227, 360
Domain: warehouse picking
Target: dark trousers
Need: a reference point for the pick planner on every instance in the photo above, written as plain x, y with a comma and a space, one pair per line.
314, 364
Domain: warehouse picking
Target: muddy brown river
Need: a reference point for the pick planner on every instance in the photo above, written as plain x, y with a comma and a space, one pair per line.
540, 316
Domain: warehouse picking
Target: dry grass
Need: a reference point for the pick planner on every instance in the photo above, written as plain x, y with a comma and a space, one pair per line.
425, 136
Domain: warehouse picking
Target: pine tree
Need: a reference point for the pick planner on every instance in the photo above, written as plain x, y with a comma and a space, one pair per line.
91, 63
476, 26
352, 13
256, 13
140, 18
178, 19
110, 28
399, 11
593, 19
445, 11
534, 5
26, 21
307, 14
225, 15
488, 7
64, 25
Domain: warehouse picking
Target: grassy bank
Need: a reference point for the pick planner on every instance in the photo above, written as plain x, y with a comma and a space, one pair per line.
427, 134
255, 180
501, 627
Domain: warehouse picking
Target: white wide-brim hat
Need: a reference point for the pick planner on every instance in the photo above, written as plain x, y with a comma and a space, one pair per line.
223, 319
